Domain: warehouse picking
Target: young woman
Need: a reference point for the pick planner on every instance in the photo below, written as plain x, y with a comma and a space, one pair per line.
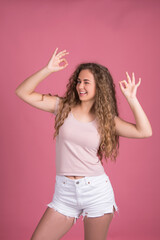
87, 128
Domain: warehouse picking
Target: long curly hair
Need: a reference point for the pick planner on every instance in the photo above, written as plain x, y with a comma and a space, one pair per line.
105, 108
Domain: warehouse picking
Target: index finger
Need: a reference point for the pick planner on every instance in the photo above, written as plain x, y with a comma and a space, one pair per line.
129, 79
55, 52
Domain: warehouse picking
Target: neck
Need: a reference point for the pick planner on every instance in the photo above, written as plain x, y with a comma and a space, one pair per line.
86, 106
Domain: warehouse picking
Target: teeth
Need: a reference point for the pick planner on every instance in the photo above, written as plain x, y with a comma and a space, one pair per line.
83, 92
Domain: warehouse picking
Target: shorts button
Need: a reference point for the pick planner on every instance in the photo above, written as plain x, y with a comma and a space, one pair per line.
77, 182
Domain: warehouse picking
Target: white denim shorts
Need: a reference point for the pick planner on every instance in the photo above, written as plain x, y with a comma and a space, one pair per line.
88, 196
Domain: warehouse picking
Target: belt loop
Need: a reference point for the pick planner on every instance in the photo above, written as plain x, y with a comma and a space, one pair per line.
85, 179
65, 180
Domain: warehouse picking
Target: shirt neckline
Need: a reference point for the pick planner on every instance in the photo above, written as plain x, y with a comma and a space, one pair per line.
80, 121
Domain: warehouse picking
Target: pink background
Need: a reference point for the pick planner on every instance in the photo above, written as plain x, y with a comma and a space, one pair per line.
122, 35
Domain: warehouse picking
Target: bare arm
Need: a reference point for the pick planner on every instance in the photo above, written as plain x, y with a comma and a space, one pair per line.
142, 128
26, 90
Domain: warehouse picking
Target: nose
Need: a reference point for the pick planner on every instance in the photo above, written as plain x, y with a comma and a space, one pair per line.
81, 86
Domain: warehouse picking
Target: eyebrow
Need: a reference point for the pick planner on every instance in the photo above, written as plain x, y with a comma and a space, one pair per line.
86, 80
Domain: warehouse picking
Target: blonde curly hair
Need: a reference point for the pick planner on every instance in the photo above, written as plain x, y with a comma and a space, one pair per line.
104, 107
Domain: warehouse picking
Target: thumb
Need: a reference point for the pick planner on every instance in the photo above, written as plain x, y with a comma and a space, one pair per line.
120, 84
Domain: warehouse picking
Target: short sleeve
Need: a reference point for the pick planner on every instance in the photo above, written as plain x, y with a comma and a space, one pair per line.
56, 107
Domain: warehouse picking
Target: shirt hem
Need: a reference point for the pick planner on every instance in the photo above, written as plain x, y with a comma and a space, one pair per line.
80, 174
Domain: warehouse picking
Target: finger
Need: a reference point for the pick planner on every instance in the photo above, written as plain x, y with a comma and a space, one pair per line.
128, 77
124, 82
61, 52
133, 78
64, 66
138, 82
54, 54
55, 51
63, 60
121, 86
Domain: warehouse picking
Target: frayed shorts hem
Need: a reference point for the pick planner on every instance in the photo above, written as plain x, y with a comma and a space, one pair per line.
84, 214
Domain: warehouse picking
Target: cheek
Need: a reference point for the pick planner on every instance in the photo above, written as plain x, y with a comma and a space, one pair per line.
94, 89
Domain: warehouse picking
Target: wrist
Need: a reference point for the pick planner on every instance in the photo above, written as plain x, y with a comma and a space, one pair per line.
132, 100
48, 70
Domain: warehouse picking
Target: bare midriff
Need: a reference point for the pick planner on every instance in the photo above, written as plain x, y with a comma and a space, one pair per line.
75, 177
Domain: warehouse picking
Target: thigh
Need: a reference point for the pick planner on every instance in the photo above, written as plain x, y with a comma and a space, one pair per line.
96, 228
52, 226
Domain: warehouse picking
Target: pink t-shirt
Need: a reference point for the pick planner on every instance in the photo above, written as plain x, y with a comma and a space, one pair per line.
76, 148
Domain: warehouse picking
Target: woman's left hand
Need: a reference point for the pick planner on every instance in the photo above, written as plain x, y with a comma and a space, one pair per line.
130, 89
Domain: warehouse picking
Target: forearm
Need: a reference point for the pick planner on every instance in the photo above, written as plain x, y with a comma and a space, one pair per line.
29, 84
142, 122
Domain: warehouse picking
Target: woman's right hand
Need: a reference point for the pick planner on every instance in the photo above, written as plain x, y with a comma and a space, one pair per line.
54, 63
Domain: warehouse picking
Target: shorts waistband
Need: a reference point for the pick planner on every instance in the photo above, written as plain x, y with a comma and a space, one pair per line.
82, 181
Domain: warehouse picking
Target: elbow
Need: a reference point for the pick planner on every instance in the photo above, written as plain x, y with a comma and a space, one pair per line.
147, 134
16, 91
18, 94
150, 134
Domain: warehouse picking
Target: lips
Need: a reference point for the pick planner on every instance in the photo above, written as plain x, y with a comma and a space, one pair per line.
82, 93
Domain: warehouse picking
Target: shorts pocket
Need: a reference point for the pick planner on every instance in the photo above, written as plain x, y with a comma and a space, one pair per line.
100, 183
61, 183
60, 189
109, 187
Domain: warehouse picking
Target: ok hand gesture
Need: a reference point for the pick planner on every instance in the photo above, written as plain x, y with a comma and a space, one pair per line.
54, 63
130, 89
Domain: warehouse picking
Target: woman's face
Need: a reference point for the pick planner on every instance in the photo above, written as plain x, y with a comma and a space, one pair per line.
86, 84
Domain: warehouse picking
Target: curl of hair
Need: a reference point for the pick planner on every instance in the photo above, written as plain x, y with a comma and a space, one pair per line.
104, 107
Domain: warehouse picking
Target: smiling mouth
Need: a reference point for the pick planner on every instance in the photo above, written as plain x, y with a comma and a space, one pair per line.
82, 93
